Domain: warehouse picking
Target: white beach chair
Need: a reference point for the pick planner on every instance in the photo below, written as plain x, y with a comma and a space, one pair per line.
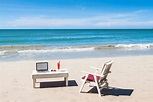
99, 78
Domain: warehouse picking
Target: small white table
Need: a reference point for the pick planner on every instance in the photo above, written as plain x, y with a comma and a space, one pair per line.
50, 74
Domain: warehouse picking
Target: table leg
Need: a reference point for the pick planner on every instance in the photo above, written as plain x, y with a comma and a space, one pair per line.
66, 80
34, 81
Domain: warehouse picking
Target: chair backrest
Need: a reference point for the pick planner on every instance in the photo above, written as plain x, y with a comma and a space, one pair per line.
42, 66
106, 69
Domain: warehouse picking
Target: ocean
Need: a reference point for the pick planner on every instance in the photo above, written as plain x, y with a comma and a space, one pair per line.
48, 44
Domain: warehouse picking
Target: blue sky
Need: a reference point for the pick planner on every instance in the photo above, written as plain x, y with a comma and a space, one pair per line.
105, 14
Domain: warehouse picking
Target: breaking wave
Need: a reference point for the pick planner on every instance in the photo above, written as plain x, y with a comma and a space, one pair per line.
5, 50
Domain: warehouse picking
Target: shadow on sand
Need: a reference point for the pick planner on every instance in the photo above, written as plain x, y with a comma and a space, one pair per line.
112, 91
57, 84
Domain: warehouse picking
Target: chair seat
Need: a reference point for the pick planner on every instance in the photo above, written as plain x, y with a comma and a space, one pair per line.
91, 77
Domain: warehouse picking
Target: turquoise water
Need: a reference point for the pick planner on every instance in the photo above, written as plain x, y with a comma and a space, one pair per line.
75, 37
23, 44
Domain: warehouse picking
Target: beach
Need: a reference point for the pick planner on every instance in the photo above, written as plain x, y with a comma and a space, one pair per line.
130, 80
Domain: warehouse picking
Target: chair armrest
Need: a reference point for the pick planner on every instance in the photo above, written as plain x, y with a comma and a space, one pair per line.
95, 68
91, 73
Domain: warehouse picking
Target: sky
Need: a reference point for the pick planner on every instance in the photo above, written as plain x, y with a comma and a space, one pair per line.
76, 14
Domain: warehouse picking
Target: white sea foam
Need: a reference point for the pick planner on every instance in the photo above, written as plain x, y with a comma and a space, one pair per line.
68, 49
8, 52
1, 52
135, 46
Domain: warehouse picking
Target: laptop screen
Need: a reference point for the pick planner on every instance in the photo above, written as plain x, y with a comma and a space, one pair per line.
42, 66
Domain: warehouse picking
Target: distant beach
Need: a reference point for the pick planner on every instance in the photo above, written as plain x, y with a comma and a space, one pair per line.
41, 44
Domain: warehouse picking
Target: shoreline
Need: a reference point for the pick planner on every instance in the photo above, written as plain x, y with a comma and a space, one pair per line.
15, 56
44, 52
75, 58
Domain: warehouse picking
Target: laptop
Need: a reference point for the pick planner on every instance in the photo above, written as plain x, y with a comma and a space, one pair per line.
42, 66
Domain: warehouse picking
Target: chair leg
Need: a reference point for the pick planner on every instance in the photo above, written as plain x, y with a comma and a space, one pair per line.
83, 83
107, 85
98, 89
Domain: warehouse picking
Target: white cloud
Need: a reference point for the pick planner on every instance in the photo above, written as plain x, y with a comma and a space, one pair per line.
124, 24
46, 22
140, 11
103, 21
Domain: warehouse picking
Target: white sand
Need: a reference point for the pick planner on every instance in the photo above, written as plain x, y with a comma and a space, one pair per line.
128, 73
